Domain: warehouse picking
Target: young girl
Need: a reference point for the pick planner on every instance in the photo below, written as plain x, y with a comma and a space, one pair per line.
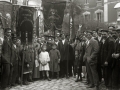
44, 62
54, 60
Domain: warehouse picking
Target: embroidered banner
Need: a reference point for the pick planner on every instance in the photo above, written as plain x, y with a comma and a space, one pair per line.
25, 24
53, 12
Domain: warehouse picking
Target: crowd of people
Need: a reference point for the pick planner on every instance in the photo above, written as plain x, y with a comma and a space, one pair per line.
59, 57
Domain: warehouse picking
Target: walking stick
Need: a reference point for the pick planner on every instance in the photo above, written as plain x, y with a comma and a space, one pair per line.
22, 68
68, 60
0, 68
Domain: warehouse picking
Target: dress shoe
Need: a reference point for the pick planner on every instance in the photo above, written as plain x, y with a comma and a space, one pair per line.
43, 78
13, 84
96, 88
77, 80
26, 83
86, 83
49, 79
67, 77
30, 80
57, 77
90, 86
80, 79
62, 76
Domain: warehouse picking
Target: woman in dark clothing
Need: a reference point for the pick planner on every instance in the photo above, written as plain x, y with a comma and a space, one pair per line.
36, 73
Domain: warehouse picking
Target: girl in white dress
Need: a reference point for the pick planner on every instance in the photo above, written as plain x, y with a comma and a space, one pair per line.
44, 62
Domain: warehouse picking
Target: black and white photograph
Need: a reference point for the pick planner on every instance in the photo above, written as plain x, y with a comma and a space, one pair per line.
59, 44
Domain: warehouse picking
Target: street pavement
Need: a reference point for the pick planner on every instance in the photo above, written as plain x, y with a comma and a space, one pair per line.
61, 84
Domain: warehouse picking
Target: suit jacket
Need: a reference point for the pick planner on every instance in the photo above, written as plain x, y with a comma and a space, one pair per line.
107, 50
116, 62
64, 50
99, 53
6, 51
91, 52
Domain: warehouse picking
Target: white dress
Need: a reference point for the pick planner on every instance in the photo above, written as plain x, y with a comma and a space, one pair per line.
44, 57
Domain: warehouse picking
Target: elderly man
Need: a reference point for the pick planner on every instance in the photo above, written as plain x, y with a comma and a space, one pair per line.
91, 52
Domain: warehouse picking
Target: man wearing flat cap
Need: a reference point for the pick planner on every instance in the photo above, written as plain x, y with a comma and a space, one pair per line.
116, 63
6, 58
106, 56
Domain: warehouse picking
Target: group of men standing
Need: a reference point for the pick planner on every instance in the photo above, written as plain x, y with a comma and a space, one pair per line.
102, 57
9, 60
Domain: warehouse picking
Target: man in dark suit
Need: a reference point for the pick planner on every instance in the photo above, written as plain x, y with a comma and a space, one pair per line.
14, 61
91, 52
6, 59
106, 56
116, 63
63, 47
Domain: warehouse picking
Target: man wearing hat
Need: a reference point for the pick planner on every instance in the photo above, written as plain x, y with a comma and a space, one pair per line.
116, 63
6, 58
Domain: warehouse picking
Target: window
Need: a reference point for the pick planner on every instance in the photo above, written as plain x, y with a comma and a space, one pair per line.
87, 17
99, 17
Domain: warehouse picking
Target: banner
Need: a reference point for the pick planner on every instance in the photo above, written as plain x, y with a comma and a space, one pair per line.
25, 24
53, 12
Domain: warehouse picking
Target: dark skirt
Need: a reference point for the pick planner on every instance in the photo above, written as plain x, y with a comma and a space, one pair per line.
36, 73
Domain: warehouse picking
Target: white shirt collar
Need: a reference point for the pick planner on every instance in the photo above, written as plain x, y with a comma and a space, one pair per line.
63, 41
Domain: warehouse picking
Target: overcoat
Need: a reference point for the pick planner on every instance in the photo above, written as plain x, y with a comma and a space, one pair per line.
54, 60
27, 59
64, 50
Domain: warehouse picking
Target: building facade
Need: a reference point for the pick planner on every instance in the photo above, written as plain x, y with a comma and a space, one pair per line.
101, 11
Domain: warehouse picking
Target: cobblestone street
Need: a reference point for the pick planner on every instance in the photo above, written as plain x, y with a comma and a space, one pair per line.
61, 84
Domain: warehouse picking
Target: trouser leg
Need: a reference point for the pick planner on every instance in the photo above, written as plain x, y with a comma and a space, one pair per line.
99, 70
94, 74
5, 75
89, 72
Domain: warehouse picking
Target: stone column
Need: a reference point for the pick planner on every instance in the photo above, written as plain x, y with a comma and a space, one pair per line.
106, 11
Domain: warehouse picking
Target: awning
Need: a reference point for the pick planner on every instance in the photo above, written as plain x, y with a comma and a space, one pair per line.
117, 6
98, 11
86, 13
